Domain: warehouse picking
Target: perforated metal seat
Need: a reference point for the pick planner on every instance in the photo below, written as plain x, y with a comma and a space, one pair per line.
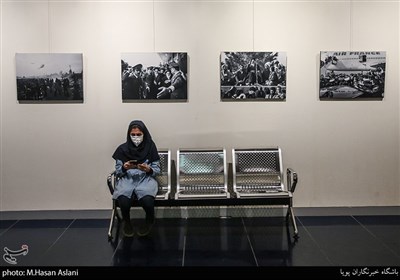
201, 174
258, 173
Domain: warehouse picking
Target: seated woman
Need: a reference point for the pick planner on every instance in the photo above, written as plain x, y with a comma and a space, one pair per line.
136, 163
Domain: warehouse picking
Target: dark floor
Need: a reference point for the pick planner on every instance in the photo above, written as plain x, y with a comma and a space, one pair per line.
229, 242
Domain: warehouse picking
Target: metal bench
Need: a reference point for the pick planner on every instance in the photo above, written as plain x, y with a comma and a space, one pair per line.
201, 174
258, 173
202, 180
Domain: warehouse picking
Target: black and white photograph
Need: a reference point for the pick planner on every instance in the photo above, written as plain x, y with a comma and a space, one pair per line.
253, 76
49, 77
154, 76
352, 75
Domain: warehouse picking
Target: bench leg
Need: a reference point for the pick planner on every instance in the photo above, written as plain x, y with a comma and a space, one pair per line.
293, 219
110, 228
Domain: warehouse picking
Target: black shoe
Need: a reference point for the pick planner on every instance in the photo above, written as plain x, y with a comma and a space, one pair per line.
146, 229
128, 229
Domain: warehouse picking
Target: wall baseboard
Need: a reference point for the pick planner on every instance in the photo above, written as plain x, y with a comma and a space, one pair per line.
202, 212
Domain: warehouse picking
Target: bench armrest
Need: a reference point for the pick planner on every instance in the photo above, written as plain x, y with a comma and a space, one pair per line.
110, 181
291, 179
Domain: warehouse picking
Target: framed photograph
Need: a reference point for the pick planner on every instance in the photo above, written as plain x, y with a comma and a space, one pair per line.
352, 75
45, 77
253, 76
154, 77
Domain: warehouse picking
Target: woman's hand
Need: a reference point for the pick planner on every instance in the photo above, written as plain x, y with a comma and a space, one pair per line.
130, 165
144, 167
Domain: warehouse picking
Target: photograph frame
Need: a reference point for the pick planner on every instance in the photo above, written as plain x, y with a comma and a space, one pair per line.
253, 76
154, 77
49, 77
352, 75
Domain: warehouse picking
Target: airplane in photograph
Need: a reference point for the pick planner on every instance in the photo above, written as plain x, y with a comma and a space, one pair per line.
355, 61
352, 74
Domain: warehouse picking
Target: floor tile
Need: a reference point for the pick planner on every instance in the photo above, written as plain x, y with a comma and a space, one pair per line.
346, 243
85, 243
5, 225
162, 247
37, 235
385, 228
274, 245
217, 242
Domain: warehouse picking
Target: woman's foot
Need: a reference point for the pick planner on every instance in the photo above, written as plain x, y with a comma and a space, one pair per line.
145, 229
128, 229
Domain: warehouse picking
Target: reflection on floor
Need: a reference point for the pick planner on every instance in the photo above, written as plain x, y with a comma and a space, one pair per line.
231, 242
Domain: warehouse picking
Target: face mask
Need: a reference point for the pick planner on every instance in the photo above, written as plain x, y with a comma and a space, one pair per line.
137, 140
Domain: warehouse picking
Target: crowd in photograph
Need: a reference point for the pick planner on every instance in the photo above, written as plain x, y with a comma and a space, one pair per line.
165, 81
371, 83
62, 86
252, 75
350, 72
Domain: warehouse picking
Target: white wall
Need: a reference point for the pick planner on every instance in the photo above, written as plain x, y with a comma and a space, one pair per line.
56, 156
